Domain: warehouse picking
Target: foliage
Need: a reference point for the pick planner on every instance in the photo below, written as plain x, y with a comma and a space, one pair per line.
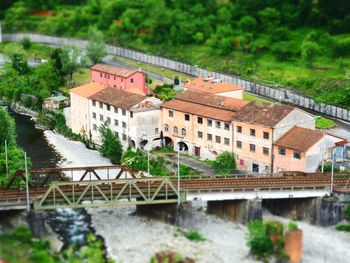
165, 92
26, 43
273, 227
309, 50
343, 227
347, 212
258, 241
292, 225
225, 163
327, 168
96, 48
324, 123
72, 59
192, 235
111, 146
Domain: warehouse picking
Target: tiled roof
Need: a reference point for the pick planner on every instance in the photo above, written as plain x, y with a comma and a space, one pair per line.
201, 84
200, 110
118, 98
87, 90
300, 139
264, 114
211, 100
113, 70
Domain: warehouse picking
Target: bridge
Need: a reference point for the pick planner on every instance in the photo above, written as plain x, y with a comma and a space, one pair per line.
82, 187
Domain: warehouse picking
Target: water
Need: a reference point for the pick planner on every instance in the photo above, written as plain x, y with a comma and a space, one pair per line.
72, 225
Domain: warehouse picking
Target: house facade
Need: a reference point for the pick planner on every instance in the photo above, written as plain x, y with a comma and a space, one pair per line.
215, 87
134, 118
257, 126
199, 123
123, 79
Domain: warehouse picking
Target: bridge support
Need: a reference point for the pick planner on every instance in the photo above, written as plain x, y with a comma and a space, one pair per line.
167, 213
236, 210
322, 211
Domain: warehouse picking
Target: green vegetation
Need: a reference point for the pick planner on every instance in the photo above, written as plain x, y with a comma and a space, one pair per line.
345, 227
250, 97
292, 225
111, 146
225, 163
192, 235
165, 92
14, 152
324, 123
20, 246
299, 44
96, 48
164, 150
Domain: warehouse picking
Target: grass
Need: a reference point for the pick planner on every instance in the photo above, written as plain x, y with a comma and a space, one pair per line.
82, 76
324, 123
35, 50
192, 235
344, 227
250, 97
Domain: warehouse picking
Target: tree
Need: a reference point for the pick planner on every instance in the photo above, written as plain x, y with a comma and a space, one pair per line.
309, 51
7, 128
72, 59
247, 23
96, 48
19, 63
270, 18
225, 163
111, 146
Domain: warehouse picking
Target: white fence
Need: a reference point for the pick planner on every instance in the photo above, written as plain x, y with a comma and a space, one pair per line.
279, 94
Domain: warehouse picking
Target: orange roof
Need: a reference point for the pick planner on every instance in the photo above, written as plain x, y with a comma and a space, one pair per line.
202, 84
300, 139
113, 70
200, 110
87, 90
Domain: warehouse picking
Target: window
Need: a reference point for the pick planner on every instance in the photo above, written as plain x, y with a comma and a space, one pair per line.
266, 135
200, 120
217, 124
124, 137
175, 130
210, 122
132, 80
124, 124
227, 126
114, 77
226, 141
166, 128
100, 75
239, 144
94, 127
252, 147
200, 135
108, 107
94, 115
156, 130
183, 131
116, 134
187, 117
209, 137
131, 114
171, 113
266, 151
108, 120
94, 103
123, 112
101, 117
101, 105
239, 129
297, 155
108, 76
252, 132
282, 151
115, 110
217, 139
105, 76
116, 122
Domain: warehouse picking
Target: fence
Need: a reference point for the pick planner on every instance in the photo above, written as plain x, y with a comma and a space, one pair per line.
279, 94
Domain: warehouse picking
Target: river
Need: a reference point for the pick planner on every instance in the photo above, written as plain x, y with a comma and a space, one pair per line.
72, 225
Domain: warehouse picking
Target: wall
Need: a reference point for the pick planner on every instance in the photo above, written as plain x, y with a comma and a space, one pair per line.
237, 94
288, 162
79, 114
280, 94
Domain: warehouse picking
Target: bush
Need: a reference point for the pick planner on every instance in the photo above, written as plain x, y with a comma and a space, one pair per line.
22, 234
282, 50
26, 43
324, 123
225, 163
345, 228
292, 225
259, 243
192, 235
347, 213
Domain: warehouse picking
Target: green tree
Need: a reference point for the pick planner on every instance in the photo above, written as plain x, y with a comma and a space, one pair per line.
248, 24
111, 146
309, 50
96, 48
72, 59
7, 128
225, 163
19, 63
270, 18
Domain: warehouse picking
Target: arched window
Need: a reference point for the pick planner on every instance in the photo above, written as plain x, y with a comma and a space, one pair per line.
175, 130
166, 128
183, 131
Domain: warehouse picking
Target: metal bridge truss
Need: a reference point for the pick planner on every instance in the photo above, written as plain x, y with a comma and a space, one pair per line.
108, 193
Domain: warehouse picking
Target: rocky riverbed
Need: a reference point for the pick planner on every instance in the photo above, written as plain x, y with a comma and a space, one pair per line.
135, 239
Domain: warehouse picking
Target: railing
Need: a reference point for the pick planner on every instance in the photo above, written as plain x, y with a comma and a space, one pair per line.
279, 94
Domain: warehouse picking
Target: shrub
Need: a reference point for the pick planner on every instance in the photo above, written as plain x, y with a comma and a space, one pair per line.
347, 213
22, 234
259, 243
345, 228
194, 235
225, 163
282, 50
26, 43
324, 123
248, 24
292, 225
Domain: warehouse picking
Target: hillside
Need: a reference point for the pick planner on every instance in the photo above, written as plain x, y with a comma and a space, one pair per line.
302, 44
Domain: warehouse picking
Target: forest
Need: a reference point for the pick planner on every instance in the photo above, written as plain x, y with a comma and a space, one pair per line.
302, 44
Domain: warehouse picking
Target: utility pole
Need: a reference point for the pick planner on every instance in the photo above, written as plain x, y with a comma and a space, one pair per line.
332, 174
6, 161
178, 174
27, 185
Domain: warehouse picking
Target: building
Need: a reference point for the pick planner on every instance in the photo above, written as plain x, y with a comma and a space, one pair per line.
79, 109
134, 118
199, 123
56, 102
215, 87
257, 126
123, 79
302, 149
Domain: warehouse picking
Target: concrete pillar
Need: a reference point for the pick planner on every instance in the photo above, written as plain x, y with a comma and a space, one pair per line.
236, 210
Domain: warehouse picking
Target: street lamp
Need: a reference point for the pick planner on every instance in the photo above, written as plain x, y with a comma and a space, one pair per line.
178, 173
332, 172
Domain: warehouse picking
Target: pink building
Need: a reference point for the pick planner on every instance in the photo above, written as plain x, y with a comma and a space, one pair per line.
128, 80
